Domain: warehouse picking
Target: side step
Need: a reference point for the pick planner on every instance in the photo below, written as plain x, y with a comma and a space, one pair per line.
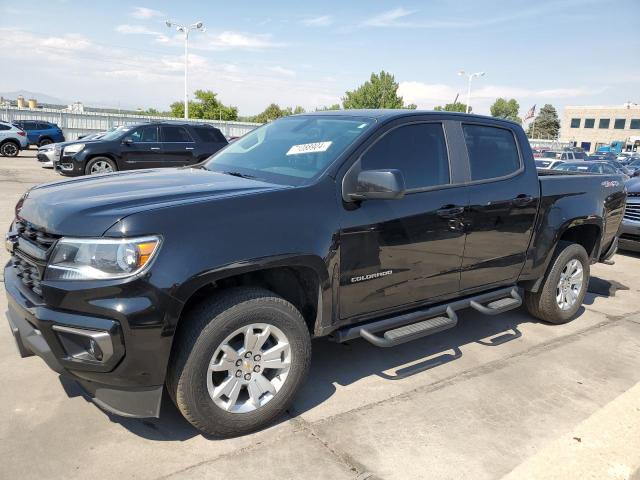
498, 306
404, 334
421, 323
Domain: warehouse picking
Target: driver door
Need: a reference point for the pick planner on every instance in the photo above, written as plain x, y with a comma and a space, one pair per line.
143, 150
395, 253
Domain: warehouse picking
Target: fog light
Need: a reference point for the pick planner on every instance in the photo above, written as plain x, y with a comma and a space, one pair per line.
87, 345
94, 350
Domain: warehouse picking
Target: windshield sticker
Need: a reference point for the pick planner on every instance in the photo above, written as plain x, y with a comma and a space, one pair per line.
363, 125
309, 148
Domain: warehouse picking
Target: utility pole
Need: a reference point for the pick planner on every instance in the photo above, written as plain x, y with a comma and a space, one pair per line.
470, 77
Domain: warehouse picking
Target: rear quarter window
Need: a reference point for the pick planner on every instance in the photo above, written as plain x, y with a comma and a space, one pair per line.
210, 135
493, 152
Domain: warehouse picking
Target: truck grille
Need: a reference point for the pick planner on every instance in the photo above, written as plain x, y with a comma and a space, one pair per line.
31, 250
632, 212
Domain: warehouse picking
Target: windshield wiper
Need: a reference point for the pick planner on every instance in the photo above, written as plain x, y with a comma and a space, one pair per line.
239, 174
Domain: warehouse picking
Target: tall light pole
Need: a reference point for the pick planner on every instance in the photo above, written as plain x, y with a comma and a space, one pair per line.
470, 77
185, 29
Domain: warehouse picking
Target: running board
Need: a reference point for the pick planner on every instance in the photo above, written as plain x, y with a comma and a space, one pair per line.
421, 323
404, 334
498, 306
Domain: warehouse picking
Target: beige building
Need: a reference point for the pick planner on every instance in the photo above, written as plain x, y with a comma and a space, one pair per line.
592, 127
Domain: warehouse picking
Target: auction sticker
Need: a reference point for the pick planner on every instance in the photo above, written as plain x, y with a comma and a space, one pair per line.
309, 148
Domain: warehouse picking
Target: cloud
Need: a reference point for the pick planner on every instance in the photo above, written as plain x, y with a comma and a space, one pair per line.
70, 41
143, 13
427, 95
136, 30
321, 21
389, 18
282, 71
230, 39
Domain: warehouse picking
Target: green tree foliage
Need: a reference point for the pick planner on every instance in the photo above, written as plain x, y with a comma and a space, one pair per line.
508, 109
546, 124
152, 112
335, 106
380, 91
274, 111
205, 106
453, 107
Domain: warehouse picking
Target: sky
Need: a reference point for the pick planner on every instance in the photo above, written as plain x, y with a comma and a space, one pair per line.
117, 53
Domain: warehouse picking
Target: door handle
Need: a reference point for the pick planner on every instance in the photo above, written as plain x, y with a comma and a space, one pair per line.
522, 200
450, 211
155, 148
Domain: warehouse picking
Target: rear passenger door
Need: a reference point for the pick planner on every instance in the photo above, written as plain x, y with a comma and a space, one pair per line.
177, 146
504, 194
395, 253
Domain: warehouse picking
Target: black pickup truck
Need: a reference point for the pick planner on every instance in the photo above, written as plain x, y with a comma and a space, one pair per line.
212, 279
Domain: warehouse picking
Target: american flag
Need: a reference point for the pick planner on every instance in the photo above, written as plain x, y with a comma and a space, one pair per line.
531, 113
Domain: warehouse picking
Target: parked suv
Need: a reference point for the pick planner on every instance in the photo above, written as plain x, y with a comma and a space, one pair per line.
12, 140
149, 145
40, 133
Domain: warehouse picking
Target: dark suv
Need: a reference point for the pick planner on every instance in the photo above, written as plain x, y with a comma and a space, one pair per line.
40, 133
149, 145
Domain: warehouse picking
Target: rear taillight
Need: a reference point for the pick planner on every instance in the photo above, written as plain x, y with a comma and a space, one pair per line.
22, 134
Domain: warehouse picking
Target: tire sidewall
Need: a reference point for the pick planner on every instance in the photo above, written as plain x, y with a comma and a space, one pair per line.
192, 385
570, 252
94, 160
45, 141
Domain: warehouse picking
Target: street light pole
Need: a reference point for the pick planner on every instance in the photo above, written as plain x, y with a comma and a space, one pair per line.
184, 29
470, 77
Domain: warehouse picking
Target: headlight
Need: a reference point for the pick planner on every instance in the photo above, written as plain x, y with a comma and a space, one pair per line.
100, 258
75, 148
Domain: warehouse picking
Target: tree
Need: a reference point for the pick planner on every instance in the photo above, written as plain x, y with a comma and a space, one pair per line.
453, 107
335, 106
507, 109
380, 91
546, 124
205, 106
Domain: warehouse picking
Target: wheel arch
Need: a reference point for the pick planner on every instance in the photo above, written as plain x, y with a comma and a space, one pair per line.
301, 280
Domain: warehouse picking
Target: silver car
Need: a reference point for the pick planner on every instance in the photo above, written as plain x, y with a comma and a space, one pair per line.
12, 139
47, 154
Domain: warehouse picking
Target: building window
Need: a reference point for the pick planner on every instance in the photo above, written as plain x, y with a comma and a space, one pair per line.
589, 122
603, 123
575, 123
635, 124
618, 124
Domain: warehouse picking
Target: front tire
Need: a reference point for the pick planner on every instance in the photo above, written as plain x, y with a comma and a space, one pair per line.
99, 165
9, 149
238, 360
564, 286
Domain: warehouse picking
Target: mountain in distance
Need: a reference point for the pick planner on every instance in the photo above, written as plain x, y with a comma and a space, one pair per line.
40, 97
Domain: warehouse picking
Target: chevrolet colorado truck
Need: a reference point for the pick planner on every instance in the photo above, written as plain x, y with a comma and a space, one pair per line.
211, 280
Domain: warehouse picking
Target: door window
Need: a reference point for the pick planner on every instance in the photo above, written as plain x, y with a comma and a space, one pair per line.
493, 152
418, 150
146, 134
173, 133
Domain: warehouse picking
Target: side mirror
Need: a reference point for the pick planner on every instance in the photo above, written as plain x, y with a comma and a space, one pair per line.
378, 185
127, 140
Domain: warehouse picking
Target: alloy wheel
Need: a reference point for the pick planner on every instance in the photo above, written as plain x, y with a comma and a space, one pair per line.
570, 285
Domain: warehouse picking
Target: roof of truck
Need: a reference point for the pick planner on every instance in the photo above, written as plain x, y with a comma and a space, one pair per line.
387, 113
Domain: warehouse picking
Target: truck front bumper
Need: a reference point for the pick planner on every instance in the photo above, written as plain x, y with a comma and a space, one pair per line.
61, 339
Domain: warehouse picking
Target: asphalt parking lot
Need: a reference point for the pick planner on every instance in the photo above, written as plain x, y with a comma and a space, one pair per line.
497, 396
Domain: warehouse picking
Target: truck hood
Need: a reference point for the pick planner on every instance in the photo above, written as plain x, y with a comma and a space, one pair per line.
88, 206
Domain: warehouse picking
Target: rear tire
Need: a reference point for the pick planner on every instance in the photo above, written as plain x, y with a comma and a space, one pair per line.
9, 149
558, 299
209, 329
100, 165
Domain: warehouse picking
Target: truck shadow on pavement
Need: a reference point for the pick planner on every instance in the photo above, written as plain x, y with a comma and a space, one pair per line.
335, 364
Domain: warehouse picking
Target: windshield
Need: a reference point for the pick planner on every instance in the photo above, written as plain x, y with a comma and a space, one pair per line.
291, 150
116, 132
576, 167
